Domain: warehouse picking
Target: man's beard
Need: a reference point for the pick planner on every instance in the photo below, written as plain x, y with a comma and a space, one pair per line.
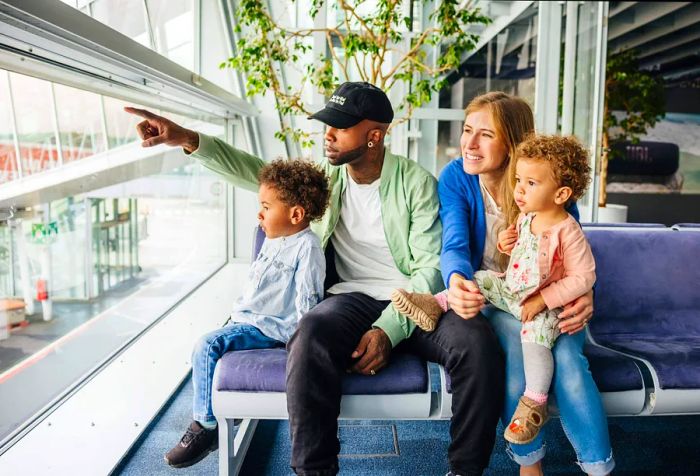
349, 156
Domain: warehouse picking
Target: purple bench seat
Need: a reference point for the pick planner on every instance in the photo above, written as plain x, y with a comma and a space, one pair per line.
618, 378
647, 302
264, 371
611, 371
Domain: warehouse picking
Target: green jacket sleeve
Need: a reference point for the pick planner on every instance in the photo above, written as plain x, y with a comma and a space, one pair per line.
238, 167
424, 241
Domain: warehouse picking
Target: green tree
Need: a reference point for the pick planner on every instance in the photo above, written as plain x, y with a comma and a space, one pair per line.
380, 47
634, 102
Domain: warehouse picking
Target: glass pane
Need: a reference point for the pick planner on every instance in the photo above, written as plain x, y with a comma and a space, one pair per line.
653, 170
585, 107
35, 129
584, 87
125, 16
79, 122
507, 63
121, 127
449, 134
8, 156
113, 261
215, 51
172, 23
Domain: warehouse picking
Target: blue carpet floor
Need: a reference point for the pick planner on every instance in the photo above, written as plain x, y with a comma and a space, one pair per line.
642, 446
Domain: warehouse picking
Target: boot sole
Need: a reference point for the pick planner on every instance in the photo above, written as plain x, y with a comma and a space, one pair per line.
413, 312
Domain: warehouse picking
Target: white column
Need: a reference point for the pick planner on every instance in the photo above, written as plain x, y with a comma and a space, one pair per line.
547, 69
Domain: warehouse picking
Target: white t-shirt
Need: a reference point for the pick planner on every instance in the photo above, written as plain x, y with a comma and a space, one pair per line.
362, 256
494, 223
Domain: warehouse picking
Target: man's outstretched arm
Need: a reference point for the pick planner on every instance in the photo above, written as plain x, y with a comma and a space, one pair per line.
236, 166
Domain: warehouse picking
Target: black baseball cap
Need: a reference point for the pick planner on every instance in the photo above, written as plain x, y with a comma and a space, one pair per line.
352, 102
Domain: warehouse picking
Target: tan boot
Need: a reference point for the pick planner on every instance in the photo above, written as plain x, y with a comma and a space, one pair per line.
527, 421
423, 309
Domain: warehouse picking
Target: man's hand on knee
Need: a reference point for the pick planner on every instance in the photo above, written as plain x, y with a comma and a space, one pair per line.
373, 351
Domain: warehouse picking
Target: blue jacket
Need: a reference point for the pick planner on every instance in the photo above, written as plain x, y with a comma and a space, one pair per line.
463, 221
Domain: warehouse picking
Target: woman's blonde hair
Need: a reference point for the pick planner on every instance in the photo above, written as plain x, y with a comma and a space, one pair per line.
513, 121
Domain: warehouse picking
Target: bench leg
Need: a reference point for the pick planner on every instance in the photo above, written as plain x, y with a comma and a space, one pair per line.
233, 445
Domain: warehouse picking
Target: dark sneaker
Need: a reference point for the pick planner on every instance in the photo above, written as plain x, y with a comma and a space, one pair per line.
193, 447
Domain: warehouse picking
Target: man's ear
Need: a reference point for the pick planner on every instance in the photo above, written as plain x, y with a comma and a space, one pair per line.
562, 195
297, 214
375, 135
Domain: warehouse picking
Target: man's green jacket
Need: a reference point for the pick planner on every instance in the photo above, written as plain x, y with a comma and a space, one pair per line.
409, 213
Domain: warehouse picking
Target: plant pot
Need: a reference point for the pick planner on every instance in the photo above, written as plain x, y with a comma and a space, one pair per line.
611, 213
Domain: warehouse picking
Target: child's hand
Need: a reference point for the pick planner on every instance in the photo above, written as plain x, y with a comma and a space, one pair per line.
507, 239
531, 307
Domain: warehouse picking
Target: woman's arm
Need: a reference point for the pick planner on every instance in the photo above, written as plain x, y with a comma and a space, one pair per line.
455, 256
455, 259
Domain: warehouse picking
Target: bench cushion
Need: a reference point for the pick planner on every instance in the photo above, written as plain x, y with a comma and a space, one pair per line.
611, 371
676, 360
264, 371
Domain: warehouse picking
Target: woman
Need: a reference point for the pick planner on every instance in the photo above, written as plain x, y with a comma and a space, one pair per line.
476, 202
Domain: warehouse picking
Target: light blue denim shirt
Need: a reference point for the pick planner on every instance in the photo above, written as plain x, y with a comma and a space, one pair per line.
284, 282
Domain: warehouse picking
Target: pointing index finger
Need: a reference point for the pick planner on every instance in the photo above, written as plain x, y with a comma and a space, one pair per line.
140, 112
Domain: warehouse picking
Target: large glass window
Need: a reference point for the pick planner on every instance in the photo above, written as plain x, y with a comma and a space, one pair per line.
657, 178
80, 123
122, 239
172, 23
125, 16
35, 123
121, 127
83, 275
506, 63
8, 155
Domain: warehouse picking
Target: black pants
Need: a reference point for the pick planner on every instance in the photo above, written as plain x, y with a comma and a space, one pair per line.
319, 354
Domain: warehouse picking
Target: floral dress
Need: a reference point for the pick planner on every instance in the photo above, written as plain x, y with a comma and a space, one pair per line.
521, 278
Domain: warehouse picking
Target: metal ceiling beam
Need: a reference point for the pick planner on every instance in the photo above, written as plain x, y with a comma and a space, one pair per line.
54, 41
621, 7
669, 56
499, 24
665, 44
688, 17
642, 14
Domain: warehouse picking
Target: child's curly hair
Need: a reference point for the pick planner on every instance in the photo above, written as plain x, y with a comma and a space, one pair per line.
298, 182
567, 157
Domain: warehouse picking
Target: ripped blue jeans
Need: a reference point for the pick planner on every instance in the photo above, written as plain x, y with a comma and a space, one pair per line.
580, 407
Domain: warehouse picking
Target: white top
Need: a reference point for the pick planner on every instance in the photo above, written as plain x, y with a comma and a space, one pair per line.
362, 256
494, 223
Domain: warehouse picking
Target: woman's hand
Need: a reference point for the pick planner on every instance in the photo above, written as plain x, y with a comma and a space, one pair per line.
464, 297
576, 314
507, 239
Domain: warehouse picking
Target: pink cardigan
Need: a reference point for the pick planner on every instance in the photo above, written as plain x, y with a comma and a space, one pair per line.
567, 267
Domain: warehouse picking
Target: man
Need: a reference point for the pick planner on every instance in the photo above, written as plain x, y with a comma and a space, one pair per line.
383, 227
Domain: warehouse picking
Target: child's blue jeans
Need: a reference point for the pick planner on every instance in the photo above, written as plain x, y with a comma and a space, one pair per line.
207, 352
580, 406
